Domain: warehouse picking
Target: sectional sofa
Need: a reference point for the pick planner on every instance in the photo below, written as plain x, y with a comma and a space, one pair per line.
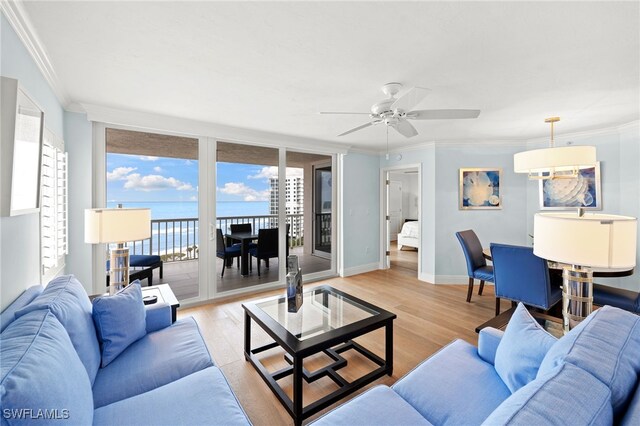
53, 364
523, 376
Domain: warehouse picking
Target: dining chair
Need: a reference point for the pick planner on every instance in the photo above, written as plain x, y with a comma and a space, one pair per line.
521, 276
225, 253
267, 246
477, 267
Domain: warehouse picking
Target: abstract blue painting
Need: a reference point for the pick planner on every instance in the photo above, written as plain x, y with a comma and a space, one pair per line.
480, 189
571, 193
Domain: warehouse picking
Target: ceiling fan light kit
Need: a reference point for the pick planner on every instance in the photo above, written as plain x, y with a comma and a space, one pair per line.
395, 112
554, 159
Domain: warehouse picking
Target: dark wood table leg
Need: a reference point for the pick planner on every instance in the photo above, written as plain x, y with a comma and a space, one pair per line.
389, 347
244, 254
247, 335
297, 390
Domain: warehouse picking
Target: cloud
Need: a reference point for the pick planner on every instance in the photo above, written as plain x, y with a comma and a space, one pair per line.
272, 172
188, 162
148, 158
242, 190
119, 173
193, 198
155, 183
157, 169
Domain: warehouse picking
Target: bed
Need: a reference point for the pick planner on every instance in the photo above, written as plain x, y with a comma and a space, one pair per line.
410, 235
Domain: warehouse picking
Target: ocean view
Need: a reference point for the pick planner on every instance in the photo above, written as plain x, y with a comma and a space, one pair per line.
180, 237
189, 209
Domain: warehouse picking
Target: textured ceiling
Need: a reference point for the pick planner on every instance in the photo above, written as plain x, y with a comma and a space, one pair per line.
274, 66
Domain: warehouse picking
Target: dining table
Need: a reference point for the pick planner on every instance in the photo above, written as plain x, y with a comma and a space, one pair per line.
501, 320
244, 238
597, 272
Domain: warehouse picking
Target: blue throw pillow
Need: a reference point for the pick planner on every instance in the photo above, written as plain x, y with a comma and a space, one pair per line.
522, 349
120, 320
67, 299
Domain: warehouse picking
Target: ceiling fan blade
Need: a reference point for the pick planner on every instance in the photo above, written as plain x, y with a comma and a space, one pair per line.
409, 100
355, 129
405, 128
338, 112
442, 114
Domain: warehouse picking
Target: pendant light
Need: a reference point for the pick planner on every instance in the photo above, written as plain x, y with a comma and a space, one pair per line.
554, 159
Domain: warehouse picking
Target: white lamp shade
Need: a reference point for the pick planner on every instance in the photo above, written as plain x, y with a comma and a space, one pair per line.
593, 240
116, 225
559, 159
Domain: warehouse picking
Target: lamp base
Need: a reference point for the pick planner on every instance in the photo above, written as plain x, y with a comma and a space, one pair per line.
577, 295
119, 269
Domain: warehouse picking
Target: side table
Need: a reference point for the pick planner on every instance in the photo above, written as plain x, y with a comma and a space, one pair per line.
164, 294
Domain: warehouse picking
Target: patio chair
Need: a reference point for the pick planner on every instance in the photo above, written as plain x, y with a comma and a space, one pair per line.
242, 227
267, 246
225, 253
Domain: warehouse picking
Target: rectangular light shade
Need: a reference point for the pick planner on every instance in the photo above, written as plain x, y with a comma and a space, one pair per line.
116, 225
593, 240
560, 159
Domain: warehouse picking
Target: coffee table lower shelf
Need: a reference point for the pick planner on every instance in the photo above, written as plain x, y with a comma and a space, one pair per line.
327, 323
299, 372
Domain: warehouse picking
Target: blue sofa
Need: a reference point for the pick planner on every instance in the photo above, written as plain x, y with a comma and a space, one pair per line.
589, 376
51, 367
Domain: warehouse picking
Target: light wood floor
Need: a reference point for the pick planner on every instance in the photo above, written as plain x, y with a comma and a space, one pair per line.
406, 258
429, 317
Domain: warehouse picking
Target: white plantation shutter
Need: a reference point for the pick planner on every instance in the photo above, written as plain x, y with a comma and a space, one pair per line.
53, 207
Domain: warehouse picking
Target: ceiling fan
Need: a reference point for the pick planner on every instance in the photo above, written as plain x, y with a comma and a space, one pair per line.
395, 112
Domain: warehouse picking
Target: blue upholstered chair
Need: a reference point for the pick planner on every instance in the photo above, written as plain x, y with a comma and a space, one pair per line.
225, 253
477, 267
521, 276
620, 298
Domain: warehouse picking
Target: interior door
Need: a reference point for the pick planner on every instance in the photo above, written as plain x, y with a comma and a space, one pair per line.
395, 209
322, 193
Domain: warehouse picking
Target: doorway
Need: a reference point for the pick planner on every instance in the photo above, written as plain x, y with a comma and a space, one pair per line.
401, 221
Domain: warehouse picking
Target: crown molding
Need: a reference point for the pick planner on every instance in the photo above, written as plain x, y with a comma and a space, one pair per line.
19, 20
194, 128
567, 137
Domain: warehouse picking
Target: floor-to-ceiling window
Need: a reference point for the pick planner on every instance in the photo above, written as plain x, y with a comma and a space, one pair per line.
159, 172
310, 210
247, 221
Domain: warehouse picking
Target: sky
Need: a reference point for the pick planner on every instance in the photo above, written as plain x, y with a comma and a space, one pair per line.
146, 178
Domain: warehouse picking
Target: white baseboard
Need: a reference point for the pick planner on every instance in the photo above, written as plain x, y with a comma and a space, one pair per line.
429, 278
347, 272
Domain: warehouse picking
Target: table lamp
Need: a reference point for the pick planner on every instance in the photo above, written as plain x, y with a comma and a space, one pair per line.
582, 242
103, 226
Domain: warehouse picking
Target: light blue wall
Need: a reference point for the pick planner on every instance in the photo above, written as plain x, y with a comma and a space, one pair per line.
619, 154
442, 257
78, 134
361, 210
20, 236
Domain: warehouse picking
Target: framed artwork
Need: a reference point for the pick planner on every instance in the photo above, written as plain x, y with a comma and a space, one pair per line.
571, 193
480, 189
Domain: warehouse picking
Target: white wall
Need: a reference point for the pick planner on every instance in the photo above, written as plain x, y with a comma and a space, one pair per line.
361, 213
409, 193
20, 235
78, 134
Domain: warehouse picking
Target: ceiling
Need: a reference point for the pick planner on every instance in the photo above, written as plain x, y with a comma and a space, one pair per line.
274, 66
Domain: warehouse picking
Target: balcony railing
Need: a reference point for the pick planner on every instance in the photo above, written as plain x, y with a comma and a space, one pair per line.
177, 239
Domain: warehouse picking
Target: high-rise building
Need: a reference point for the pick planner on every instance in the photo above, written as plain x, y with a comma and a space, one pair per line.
294, 200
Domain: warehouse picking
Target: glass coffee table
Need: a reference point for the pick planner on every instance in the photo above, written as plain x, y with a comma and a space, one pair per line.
327, 322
